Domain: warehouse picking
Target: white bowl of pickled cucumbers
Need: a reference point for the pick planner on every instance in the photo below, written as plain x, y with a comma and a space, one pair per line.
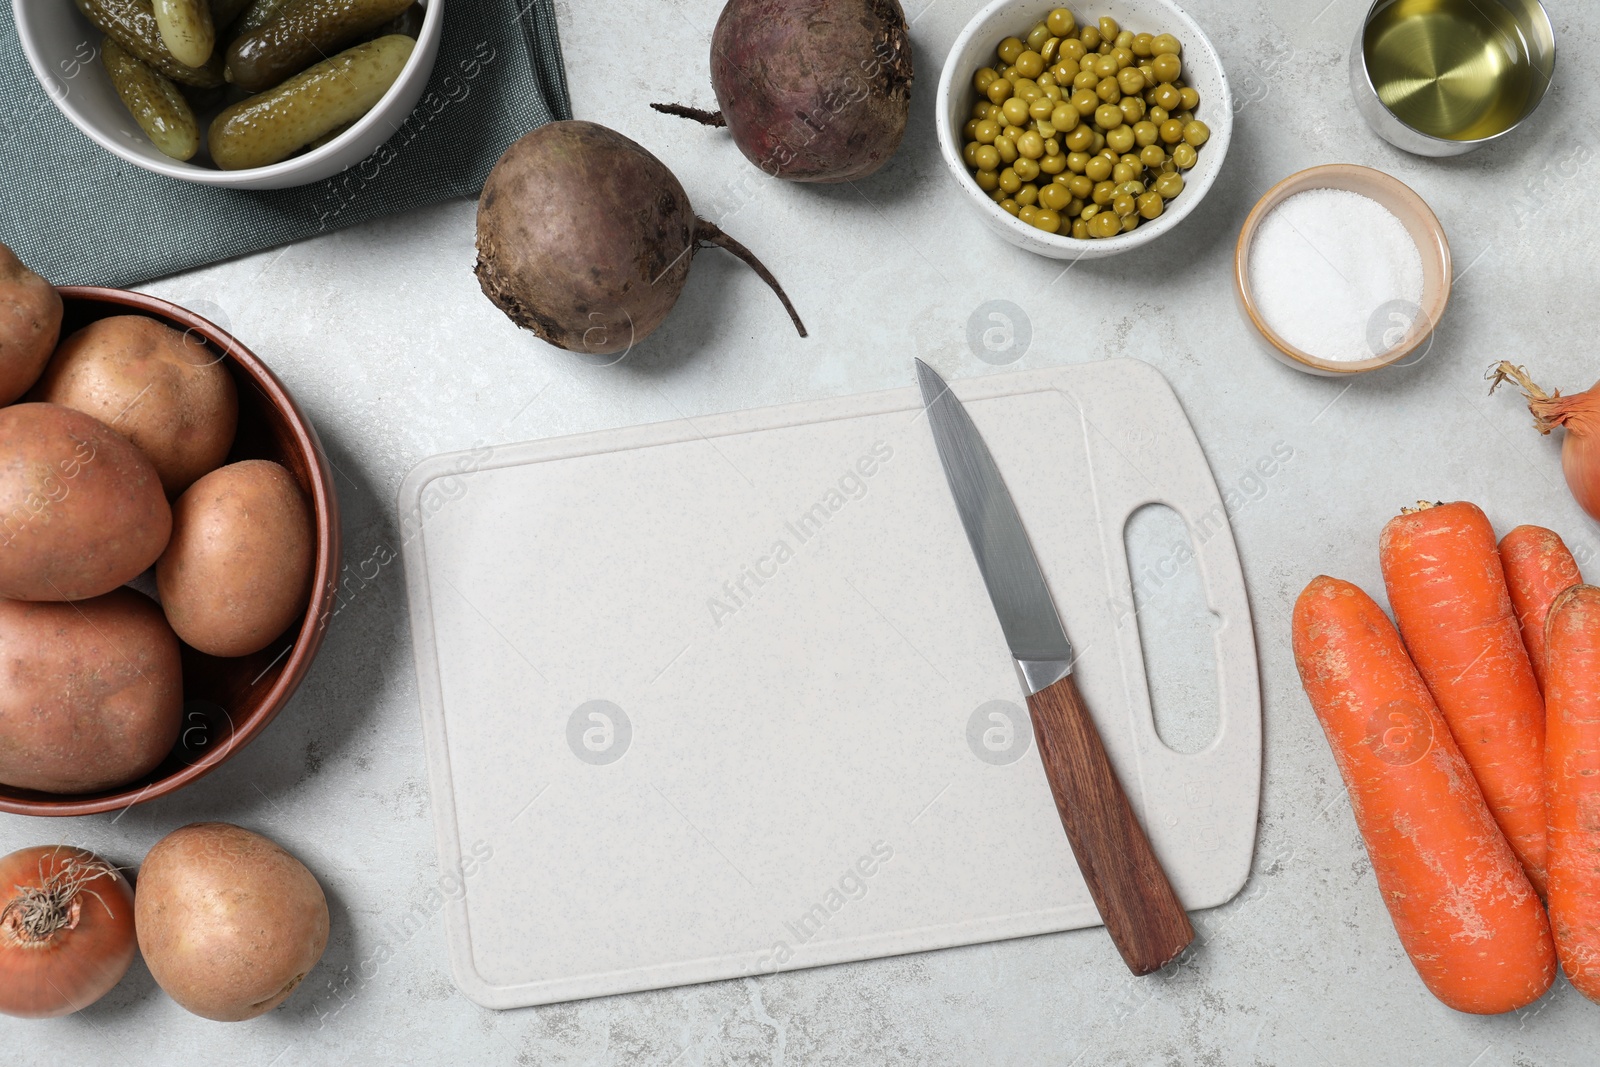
251, 94
1116, 110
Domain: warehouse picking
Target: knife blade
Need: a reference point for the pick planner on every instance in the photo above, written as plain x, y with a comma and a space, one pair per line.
1141, 911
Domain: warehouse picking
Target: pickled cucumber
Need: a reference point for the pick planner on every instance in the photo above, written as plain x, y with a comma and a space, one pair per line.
257, 14
223, 12
186, 29
155, 103
269, 128
303, 32
132, 24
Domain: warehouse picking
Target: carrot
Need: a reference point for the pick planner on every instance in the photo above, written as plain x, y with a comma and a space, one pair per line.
1572, 784
1448, 592
1465, 911
1538, 568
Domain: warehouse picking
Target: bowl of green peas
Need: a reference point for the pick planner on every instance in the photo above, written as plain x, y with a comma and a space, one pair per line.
1083, 133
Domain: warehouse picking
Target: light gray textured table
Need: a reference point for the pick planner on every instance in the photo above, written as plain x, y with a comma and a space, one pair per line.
383, 336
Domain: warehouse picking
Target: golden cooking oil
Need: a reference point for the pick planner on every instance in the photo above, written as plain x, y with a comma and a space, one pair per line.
1454, 69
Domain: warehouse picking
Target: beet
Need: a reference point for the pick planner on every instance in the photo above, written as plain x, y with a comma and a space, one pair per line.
812, 90
586, 238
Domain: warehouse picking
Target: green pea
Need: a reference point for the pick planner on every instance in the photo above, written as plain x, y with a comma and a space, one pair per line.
1165, 96
1030, 64
1010, 49
1108, 116
1141, 45
1090, 36
1028, 195
1026, 212
1080, 229
1038, 36
1151, 205
1105, 224
1168, 185
1184, 155
1061, 22
1196, 133
1130, 80
986, 157
1165, 45
1011, 206
1027, 169
987, 180
1103, 192
1052, 164
1108, 90
999, 91
1098, 169
1109, 28
1167, 67
1132, 109
982, 79
1191, 98
1079, 139
1123, 204
1006, 148
1047, 220
1120, 139
1076, 161
1080, 187
1172, 131
155, 103
1055, 196
1009, 180
1071, 51
1152, 155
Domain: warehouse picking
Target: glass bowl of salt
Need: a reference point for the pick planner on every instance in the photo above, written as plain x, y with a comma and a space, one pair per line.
1343, 269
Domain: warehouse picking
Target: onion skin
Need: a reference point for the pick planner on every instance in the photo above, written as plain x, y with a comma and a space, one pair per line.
1579, 415
76, 965
814, 90
1580, 462
228, 921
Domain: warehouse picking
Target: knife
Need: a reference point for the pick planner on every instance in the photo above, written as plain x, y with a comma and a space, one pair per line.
1146, 921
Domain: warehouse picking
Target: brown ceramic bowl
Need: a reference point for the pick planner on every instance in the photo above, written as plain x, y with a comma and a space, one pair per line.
227, 702
1413, 213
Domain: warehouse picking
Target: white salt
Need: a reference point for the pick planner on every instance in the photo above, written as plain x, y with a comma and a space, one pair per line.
1335, 274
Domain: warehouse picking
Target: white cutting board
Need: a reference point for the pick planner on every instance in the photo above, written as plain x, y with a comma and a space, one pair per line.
815, 758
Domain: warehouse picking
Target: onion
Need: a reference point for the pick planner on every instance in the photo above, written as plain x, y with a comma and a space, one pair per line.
1579, 415
66, 930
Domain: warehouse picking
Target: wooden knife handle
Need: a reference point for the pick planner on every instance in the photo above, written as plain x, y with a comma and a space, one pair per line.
1142, 913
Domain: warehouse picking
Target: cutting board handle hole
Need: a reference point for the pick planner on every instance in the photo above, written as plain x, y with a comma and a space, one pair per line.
1176, 628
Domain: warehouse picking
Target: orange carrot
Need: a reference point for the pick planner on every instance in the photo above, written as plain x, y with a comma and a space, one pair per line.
1448, 592
1465, 911
1538, 569
1572, 783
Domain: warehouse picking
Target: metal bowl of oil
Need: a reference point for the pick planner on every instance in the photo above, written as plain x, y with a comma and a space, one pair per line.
1441, 77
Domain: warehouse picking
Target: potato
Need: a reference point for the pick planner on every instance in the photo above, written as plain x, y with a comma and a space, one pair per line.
91, 694
229, 922
238, 571
163, 390
81, 509
30, 322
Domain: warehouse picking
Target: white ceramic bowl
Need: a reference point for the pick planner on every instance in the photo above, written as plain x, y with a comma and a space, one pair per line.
975, 48
63, 49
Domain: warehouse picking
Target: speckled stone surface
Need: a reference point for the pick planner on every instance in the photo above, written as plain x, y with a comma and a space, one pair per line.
384, 338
